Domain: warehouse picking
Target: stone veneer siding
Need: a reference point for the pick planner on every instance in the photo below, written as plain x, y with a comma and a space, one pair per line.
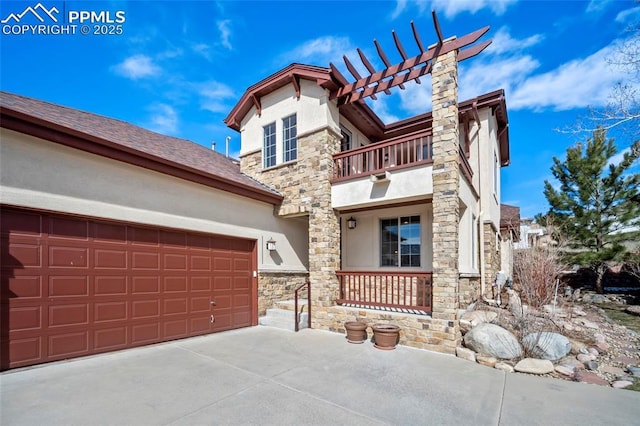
277, 287
306, 187
446, 203
491, 255
469, 289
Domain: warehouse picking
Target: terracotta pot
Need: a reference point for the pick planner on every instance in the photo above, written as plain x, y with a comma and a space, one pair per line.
356, 331
385, 336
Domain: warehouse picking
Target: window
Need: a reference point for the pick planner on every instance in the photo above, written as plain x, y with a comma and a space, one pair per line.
269, 145
495, 173
345, 142
290, 138
400, 241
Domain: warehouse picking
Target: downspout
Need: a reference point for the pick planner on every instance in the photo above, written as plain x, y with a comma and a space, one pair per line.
480, 226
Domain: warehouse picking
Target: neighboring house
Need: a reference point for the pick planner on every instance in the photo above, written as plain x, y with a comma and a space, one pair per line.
531, 234
114, 236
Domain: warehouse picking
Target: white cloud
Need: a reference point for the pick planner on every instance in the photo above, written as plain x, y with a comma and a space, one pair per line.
574, 84
628, 14
596, 6
202, 49
502, 42
452, 7
321, 51
137, 66
214, 96
381, 108
164, 119
225, 33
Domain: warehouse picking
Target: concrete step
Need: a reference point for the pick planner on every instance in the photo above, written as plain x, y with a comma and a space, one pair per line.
282, 318
290, 305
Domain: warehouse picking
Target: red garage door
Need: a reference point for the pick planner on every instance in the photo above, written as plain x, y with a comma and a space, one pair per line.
73, 287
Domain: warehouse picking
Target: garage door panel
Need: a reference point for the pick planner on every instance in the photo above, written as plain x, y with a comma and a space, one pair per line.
145, 333
110, 311
145, 285
75, 286
109, 233
25, 351
175, 284
175, 306
64, 228
111, 338
69, 344
68, 286
23, 318
23, 287
21, 223
68, 315
21, 255
145, 309
110, 285
142, 260
68, 257
110, 259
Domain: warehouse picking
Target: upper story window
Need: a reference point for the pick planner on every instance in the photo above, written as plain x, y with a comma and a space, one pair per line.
345, 142
269, 145
290, 138
400, 243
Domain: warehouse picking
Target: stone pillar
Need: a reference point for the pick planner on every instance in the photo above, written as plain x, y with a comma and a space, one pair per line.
446, 203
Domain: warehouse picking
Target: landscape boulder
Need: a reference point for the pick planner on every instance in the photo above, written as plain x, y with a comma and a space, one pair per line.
534, 366
470, 319
547, 345
493, 340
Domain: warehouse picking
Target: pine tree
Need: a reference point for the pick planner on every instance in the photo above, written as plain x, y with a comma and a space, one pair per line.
597, 206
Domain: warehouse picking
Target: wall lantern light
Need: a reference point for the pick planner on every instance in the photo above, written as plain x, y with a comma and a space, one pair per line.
271, 244
351, 223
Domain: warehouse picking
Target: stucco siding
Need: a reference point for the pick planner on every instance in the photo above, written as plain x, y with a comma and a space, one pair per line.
43, 175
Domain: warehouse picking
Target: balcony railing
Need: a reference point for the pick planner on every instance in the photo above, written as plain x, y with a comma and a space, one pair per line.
400, 291
376, 158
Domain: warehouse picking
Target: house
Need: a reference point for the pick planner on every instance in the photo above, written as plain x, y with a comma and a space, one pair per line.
114, 236
509, 236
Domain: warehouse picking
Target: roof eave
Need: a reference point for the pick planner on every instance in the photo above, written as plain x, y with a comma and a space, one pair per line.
43, 129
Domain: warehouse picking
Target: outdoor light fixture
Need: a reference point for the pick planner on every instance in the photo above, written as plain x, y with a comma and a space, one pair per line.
351, 223
271, 244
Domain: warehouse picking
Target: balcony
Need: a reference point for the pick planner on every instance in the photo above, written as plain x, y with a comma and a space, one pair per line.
395, 170
395, 291
376, 159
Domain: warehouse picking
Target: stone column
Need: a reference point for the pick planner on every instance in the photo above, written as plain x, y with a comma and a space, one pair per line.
446, 203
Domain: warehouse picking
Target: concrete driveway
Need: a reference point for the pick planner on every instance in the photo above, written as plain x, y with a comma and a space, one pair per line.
268, 376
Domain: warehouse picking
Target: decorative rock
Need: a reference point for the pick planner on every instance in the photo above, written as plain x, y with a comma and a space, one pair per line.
591, 365
599, 337
493, 340
616, 371
466, 354
586, 323
565, 370
584, 358
633, 309
602, 346
534, 366
573, 363
471, 319
504, 367
515, 304
634, 370
579, 312
592, 378
593, 351
576, 346
621, 384
547, 345
489, 361
624, 360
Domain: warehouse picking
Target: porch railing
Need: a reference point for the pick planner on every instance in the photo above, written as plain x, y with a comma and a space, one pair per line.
404, 291
376, 158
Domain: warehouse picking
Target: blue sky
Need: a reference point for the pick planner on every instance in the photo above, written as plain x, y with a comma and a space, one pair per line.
180, 66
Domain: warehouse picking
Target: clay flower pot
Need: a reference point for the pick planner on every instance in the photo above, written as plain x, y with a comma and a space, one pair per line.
356, 331
385, 336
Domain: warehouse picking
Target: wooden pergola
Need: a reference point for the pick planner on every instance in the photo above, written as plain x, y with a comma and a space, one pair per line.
410, 68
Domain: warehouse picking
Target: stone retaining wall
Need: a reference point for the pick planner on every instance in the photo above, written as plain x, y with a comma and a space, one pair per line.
277, 287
